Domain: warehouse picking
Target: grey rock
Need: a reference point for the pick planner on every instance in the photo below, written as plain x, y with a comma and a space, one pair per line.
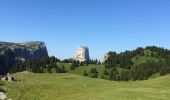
82, 54
12, 52
2, 96
106, 56
8, 78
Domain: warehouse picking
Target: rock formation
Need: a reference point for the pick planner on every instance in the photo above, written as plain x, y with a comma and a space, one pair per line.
82, 54
106, 56
12, 52
3, 96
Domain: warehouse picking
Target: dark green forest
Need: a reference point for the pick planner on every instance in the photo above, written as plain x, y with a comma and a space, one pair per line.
47, 64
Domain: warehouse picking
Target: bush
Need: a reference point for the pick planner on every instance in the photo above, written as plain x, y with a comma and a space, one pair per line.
1, 82
105, 72
3, 89
72, 67
85, 73
94, 73
164, 70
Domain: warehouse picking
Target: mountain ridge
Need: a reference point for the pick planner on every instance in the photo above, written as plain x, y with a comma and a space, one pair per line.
12, 52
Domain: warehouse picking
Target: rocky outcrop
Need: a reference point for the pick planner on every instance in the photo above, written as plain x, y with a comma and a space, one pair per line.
8, 78
12, 52
3, 96
106, 56
82, 54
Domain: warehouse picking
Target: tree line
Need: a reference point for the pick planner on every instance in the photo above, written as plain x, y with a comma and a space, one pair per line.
121, 67
77, 63
42, 65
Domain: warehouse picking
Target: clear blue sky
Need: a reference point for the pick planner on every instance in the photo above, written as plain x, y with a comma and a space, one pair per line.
102, 25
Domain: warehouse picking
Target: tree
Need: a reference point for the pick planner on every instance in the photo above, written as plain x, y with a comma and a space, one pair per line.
63, 69
85, 73
49, 69
41, 70
112, 74
164, 70
94, 73
124, 75
99, 63
105, 72
81, 63
86, 63
72, 67
93, 70
102, 77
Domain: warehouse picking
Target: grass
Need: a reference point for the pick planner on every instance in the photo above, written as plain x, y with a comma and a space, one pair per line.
73, 86
79, 70
68, 86
137, 60
142, 59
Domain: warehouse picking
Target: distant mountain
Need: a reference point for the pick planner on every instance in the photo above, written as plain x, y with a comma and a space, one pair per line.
13, 52
82, 54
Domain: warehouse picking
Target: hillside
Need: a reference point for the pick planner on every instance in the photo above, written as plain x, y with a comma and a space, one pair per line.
11, 53
138, 64
79, 70
54, 80
137, 60
74, 87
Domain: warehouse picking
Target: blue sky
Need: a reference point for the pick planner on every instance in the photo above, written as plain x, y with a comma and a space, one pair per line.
102, 25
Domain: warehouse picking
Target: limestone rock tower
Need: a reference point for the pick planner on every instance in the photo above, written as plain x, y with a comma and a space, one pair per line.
82, 54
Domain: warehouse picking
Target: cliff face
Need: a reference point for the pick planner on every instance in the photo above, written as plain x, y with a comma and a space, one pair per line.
12, 52
82, 54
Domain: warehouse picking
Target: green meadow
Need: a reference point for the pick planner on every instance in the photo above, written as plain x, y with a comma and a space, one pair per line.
74, 86
79, 70
67, 86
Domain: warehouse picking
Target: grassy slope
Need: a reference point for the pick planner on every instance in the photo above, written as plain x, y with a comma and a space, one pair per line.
142, 59
69, 86
137, 60
81, 69
75, 87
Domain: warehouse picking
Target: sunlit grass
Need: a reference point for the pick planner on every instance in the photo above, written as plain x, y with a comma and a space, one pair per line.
75, 87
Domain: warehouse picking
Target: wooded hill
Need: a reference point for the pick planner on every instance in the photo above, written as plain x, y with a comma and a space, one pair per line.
138, 64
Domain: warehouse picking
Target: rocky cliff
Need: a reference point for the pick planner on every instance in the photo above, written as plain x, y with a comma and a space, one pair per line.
82, 54
12, 52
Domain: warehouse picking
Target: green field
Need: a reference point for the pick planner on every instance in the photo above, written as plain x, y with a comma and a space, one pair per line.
79, 70
74, 86
68, 86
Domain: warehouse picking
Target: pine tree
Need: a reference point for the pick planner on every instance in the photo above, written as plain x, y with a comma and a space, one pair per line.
72, 67
85, 73
105, 72
49, 69
94, 73
63, 69
81, 63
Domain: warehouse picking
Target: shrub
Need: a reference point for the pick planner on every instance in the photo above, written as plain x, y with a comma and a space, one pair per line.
3, 89
85, 73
